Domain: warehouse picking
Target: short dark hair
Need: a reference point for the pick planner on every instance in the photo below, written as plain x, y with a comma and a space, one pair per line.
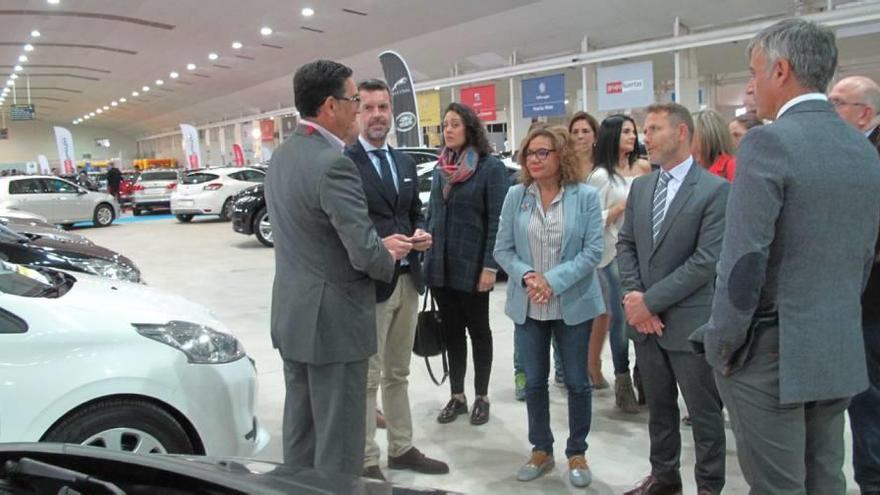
314, 82
474, 132
677, 114
374, 85
591, 121
748, 120
607, 153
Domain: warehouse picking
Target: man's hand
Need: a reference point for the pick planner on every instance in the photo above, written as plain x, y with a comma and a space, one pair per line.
398, 245
421, 240
537, 288
634, 306
487, 281
652, 325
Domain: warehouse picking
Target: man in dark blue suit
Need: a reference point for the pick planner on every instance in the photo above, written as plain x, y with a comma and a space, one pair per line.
391, 188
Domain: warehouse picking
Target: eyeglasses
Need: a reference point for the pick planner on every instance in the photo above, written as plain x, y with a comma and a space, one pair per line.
841, 103
541, 154
356, 99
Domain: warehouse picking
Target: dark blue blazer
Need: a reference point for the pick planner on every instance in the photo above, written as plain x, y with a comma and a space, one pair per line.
402, 215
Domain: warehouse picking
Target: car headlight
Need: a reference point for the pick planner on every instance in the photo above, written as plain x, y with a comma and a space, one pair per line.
107, 268
201, 344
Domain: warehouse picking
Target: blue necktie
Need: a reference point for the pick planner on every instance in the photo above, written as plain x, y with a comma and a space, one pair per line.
385, 167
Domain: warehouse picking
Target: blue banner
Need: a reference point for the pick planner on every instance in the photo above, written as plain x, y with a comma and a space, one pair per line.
543, 96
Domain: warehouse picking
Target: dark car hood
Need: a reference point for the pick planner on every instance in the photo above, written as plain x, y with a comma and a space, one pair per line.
233, 474
256, 190
78, 250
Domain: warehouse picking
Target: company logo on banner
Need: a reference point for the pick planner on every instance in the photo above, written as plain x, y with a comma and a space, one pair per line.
481, 99
543, 96
429, 108
626, 86
239, 155
64, 142
267, 130
191, 146
44, 165
403, 99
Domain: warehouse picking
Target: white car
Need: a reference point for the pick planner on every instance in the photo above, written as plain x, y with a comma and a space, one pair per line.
152, 190
118, 365
210, 191
59, 201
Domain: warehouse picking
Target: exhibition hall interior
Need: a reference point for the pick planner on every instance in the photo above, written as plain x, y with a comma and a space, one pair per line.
405, 246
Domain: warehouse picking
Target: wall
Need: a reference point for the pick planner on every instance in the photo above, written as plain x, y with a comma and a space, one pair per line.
31, 138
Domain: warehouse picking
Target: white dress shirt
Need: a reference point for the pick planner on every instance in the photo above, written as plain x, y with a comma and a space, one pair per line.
678, 172
799, 99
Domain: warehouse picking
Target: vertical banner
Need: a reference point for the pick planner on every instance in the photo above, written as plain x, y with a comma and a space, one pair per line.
44, 165
191, 146
481, 99
626, 86
429, 108
239, 155
64, 142
543, 96
403, 99
267, 129
288, 125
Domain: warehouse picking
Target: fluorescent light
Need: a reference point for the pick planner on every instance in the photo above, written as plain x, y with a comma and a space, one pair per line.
266, 31
87, 117
10, 82
22, 58
174, 75
159, 82
308, 12
135, 93
236, 45
122, 100
190, 66
91, 114
106, 107
114, 104
145, 89
53, 2
213, 56
35, 34
99, 111
13, 76
18, 68
29, 47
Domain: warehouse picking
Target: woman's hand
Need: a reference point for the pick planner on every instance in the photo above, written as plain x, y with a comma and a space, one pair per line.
614, 213
487, 280
537, 287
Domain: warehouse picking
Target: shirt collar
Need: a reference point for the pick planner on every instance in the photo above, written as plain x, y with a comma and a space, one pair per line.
369, 147
800, 99
331, 138
533, 190
681, 170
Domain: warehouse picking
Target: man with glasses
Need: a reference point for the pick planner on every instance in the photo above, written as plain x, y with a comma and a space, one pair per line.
327, 255
857, 101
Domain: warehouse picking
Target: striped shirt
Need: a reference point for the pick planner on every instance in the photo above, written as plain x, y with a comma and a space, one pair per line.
545, 246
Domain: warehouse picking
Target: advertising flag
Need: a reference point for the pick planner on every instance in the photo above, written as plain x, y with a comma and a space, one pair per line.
191, 146
66, 156
403, 99
44, 165
239, 155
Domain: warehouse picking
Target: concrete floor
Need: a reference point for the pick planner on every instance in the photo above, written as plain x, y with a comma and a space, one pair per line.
231, 274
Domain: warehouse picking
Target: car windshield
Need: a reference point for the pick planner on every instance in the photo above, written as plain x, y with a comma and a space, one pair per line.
20, 280
9, 235
199, 178
158, 176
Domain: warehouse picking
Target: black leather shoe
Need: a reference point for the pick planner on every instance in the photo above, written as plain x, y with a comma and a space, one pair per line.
480, 412
416, 461
452, 410
653, 486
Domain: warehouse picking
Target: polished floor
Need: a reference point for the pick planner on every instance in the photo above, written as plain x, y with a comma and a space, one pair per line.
231, 274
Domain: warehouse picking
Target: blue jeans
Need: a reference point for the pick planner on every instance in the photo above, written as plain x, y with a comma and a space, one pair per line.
609, 278
864, 417
533, 338
557, 361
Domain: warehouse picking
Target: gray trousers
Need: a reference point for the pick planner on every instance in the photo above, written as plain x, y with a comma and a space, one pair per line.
783, 449
324, 416
663, 373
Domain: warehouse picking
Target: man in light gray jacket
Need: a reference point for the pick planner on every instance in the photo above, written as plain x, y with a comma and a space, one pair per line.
785, 336
327, 255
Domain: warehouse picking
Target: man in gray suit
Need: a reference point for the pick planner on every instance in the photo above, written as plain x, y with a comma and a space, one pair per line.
666, 252
327, 255
785, 336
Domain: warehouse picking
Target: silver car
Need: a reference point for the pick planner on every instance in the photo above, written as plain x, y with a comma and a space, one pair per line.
61, 202
152, 190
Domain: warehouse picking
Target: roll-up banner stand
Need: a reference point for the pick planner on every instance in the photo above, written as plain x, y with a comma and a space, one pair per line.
239, 155
403, 99
64, 142
191, 146
44, 165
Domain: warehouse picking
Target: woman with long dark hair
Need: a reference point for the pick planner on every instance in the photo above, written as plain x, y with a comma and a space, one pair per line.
467, 191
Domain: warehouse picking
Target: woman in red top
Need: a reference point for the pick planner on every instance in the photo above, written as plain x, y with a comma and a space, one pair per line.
712, 147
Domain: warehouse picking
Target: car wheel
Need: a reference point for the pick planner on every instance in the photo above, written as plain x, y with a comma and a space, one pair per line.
262, 227
136, 211
103, 215
226, 210
184, 218
127, 425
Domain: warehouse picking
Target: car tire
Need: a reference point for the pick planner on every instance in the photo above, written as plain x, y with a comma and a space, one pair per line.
129, 425
226, 210
265, 238
184, 217
104, 215
136, 211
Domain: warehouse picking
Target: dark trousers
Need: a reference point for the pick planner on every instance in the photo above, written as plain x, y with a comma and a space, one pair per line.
864, 418
783, 449
533, 338
324, 409
663, 373
460, 311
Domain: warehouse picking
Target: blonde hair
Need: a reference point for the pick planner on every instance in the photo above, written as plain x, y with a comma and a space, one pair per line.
570, 170
714, 136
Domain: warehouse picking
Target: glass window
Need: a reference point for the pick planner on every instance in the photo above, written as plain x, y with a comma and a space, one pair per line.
60, 186
254, 176
164, 175
199, 178
26, 186
237, 176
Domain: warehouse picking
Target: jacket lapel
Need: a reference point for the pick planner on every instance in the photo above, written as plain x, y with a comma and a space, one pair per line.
368, 172
570, 208
681, 197
645, 206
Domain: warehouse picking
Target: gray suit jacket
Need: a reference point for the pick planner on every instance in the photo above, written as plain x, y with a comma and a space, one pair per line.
798, 247
327, 254
677, 272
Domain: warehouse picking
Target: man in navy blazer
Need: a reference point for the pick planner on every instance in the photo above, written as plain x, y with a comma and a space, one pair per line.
391, 188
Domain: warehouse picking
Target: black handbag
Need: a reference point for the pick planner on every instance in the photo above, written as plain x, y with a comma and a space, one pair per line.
429, 340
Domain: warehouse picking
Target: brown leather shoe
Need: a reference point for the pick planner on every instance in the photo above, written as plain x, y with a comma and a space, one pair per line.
416, 461
373, 472
653, 486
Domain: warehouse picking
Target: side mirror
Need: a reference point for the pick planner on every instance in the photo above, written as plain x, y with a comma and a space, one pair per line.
81, 191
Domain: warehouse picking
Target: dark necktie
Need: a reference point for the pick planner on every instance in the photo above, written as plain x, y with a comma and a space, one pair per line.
659, 210
385, 167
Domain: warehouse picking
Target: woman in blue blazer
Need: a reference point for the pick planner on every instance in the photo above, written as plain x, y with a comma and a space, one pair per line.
550, 242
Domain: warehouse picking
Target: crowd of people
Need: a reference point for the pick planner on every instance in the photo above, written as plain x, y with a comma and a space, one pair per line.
736, 259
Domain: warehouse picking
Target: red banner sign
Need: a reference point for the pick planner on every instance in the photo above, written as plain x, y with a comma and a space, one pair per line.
239, 155
481, 99
267, 130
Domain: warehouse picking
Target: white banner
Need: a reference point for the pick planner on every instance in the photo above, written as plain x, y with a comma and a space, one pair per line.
625, 86
31, 168
44, 165
191, 146
66, 156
